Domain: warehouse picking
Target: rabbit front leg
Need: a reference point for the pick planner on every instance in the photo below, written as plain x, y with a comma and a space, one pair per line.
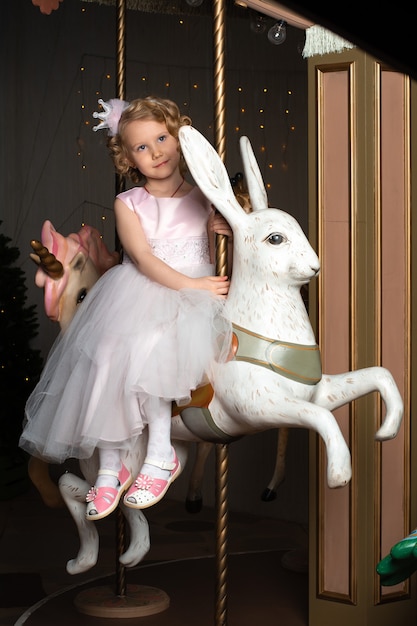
337, 390
314, 417
243, 415
73, 490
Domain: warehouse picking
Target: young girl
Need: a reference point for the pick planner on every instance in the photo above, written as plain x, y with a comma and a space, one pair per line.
148, 329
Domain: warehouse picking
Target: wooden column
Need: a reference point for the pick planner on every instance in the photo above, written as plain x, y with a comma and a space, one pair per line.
360, 223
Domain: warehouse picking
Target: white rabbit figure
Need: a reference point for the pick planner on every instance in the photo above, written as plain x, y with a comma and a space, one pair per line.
275, 378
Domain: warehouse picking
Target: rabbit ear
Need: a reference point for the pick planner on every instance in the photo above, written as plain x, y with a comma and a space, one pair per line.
254, 181
209, 173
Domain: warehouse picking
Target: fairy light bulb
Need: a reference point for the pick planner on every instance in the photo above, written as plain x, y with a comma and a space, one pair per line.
277, 34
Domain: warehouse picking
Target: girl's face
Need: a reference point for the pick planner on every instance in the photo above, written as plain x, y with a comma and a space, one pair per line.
152, 149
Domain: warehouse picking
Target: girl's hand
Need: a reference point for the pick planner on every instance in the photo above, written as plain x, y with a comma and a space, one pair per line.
217, 285
217, 224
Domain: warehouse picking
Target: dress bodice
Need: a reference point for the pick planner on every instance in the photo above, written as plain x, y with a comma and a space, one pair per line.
176, 228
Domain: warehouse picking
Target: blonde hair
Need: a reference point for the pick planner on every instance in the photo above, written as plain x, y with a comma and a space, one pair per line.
149, 108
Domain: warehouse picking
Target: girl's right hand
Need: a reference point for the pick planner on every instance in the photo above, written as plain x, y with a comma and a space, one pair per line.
218, 285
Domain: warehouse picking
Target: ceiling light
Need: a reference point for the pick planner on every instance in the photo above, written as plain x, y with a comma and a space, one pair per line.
277, 34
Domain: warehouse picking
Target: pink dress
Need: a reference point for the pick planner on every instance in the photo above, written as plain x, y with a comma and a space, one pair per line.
131, 342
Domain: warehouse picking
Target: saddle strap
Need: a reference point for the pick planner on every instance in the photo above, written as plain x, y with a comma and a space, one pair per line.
301, 363
200, 422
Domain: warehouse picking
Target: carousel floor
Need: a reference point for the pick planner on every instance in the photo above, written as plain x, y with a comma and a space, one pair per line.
35, 589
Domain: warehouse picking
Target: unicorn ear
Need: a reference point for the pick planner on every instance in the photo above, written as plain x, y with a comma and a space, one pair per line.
209, 173
254, 180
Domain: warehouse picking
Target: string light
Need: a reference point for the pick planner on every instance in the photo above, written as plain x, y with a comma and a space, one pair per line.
272, 116
272, 132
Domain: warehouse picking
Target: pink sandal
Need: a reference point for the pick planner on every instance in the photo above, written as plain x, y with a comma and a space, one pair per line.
104, 500
146, 490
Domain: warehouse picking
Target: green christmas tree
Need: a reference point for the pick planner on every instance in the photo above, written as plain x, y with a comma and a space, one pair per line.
20, 367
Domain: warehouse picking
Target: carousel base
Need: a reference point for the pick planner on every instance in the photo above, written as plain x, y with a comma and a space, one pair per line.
183, 593
138, 601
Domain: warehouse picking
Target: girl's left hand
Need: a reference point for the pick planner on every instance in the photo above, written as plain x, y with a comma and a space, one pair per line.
217, 224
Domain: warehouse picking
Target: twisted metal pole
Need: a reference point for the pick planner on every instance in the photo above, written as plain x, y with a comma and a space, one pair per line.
120, 81
121, 49
120, 184
219, 26
219, 22
219, 29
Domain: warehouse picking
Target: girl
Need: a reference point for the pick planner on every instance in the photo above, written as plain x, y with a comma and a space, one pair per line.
147, 331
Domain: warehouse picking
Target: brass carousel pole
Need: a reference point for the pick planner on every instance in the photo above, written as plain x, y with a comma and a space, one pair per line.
120, 74
135, 600
120, 186
219, 24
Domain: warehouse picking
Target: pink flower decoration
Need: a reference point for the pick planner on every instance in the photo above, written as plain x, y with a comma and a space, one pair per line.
144, 482
91, 495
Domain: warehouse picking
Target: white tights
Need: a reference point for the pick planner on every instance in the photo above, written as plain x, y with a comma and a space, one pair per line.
159, 447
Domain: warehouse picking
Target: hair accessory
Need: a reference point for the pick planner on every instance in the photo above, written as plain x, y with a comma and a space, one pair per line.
111, 115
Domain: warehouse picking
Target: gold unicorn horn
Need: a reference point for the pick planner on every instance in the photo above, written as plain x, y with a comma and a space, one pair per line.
46, 260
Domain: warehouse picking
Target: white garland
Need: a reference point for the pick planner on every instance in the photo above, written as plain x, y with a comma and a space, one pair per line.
321, 41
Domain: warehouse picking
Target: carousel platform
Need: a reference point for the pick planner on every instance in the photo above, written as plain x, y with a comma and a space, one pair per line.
35, 589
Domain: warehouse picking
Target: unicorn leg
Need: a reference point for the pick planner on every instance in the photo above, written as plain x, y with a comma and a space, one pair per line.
73, 490
139, 537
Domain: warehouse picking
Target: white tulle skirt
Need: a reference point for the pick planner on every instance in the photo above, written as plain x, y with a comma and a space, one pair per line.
131, 343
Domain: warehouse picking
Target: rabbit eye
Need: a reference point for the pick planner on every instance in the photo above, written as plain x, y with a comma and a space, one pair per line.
275, 239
